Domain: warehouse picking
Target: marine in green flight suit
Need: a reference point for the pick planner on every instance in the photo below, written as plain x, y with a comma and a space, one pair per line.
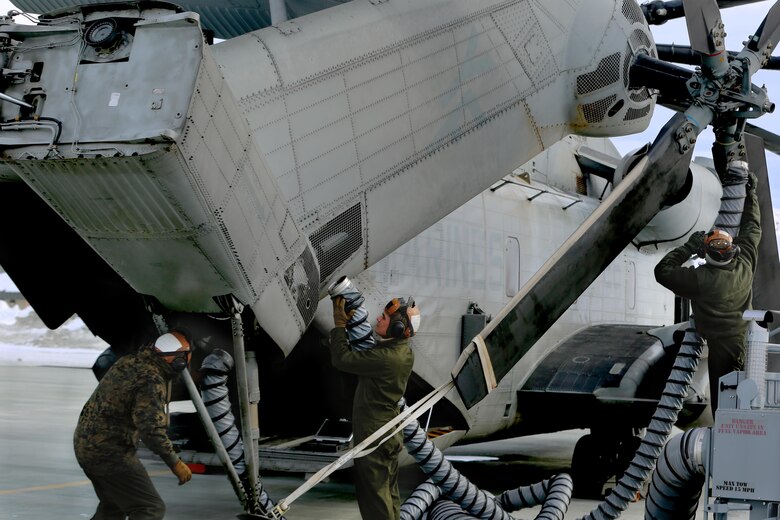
383, 372
721, 289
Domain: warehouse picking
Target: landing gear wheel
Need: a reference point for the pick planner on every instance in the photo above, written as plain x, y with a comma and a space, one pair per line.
591, 467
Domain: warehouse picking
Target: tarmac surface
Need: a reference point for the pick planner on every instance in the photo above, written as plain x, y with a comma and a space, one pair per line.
40, 479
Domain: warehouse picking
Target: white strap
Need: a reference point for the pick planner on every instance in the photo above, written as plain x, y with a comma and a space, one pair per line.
397, 424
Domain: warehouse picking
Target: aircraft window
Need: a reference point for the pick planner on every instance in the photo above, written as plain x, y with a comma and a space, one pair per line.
512, 266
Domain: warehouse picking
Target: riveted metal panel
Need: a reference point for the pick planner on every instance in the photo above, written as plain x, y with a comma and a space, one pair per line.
521, 29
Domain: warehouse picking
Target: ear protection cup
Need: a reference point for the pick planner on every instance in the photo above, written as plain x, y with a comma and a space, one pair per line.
398, 310
397, 327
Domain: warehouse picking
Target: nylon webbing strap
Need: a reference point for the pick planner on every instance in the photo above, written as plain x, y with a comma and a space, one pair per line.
411, 414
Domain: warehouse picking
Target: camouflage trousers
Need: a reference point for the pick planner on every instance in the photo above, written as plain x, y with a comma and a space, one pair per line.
127, 492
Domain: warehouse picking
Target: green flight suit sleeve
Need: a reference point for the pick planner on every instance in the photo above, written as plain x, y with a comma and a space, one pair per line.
671, 274
363, 363
150, 420
750, 226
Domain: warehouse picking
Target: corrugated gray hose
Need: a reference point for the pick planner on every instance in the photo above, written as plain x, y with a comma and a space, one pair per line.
660, 427
420, 501
554, 494
657, 432
678, 479
451, 482
359, 331
465, 494
214, 391
733, 200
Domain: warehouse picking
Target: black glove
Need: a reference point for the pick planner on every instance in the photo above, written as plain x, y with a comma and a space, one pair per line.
751, 183
696, 242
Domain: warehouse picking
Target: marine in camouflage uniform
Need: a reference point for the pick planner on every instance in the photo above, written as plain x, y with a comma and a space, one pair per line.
719, 294
383, 372
127, 405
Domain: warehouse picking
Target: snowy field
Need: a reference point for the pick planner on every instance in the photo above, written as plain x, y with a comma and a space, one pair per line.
25, 340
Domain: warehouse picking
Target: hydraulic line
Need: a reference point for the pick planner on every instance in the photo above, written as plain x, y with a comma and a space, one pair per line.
215, 369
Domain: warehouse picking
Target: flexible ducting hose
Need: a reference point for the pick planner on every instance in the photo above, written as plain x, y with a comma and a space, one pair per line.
359, 331
452, 483
733, 200
657, 432
677, 481
466, 498
729, 219
420, 501
215, 369
554, 494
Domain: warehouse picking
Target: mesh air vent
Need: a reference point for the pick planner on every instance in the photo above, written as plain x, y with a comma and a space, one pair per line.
626, 64
632, 11
337, 240
302, 281
637, 113
606, 73
640, 40
640, 95
596, 111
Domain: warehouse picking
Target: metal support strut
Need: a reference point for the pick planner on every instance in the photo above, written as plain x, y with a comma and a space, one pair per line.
248, 397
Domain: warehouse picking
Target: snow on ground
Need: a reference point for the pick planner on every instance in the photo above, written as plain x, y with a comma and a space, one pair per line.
37, 356
25, 340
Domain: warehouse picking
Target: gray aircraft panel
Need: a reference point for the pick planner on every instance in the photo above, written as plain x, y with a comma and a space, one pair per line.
227, 18
350, 111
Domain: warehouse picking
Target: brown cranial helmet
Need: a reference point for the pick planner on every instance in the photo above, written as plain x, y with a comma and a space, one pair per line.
404, 317
719, 248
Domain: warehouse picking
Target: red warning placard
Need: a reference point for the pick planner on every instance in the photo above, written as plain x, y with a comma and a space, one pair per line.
740, 426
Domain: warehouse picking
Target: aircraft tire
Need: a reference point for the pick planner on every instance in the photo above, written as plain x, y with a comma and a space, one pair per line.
591, 466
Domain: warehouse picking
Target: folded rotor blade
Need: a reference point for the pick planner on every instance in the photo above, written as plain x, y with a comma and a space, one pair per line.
771, 140
766, 295
652, 180
768, 32
702, 17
